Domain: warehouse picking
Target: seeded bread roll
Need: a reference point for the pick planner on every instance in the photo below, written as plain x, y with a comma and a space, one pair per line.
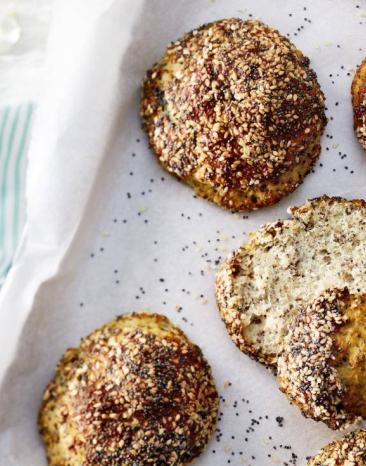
349, 451
234, 109
358, 91
136, 392
322, 368
287, 264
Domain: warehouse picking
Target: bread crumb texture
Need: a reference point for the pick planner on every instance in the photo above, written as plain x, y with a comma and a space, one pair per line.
287, 264
322, 368
349, 451
234, 109
358, 91
136, 392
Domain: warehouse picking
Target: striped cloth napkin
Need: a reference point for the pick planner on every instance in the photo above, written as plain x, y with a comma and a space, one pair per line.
15, 124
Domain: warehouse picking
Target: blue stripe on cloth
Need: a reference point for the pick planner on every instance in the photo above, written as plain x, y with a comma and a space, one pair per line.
18, 182
15, 124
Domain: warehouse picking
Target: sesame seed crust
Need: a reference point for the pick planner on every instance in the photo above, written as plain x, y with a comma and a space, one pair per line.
284, 265
235, 111
136, 392
308, 370
349, 451
358, 92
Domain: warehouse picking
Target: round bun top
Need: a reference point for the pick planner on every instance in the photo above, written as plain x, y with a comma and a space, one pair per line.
135, 392
358, 92
322, 368
349, 451
234, 105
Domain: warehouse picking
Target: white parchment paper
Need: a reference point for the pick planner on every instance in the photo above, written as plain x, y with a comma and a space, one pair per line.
109, 232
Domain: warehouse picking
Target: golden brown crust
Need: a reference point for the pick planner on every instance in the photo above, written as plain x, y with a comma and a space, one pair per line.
239, 276
136, 392
234, 110
230, 312
301, 211
358, 91
348, 451
350, 354
322, 368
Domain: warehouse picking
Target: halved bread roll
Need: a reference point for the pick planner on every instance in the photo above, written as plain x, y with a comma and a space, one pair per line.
287, 264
